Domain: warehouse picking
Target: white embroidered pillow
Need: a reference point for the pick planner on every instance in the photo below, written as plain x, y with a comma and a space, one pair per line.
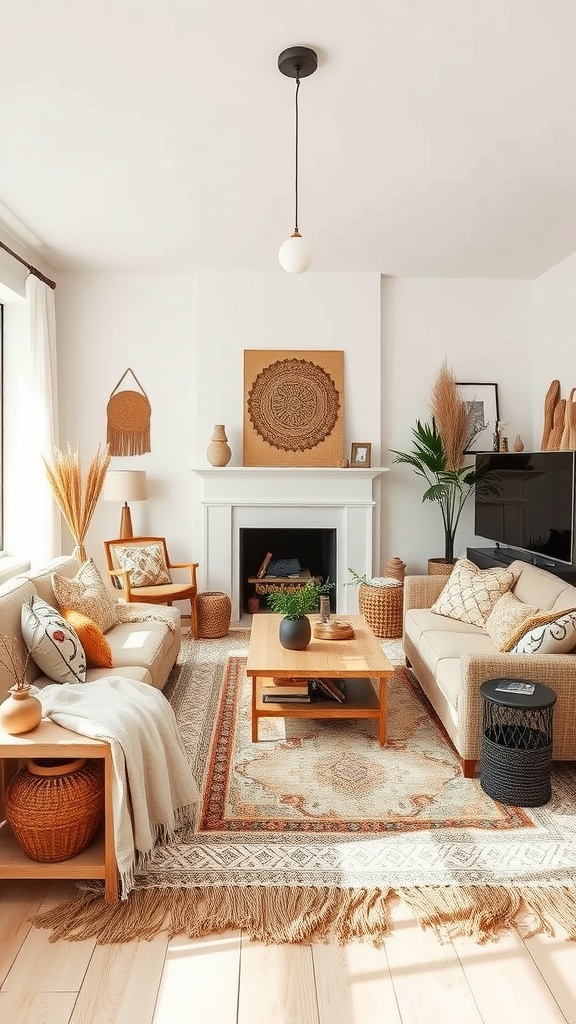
87, 593
471, 593
146, 563
543, 635
52, 642
507, 615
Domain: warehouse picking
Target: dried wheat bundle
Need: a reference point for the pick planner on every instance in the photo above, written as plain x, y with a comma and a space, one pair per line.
452, 417
76, 502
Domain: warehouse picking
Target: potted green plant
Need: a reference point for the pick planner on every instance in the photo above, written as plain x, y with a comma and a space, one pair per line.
294, 603
438, 456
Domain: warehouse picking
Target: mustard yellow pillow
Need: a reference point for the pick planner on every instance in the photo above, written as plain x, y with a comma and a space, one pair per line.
471, 593
96, 647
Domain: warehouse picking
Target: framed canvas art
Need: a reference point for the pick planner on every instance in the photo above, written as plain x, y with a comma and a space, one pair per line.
293, 407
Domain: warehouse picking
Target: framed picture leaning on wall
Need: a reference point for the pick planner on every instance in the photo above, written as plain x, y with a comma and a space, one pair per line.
483, 399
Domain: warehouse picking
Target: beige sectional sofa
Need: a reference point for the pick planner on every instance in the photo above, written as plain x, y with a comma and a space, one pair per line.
451, 659
145, 650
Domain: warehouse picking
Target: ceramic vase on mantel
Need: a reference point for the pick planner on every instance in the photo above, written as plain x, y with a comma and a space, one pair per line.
218, 452
20, 712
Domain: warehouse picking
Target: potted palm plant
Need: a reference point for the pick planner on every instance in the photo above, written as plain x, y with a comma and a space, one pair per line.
438, 456
294, 603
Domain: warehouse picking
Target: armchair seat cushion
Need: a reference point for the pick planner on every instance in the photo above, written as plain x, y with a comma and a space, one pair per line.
161, 594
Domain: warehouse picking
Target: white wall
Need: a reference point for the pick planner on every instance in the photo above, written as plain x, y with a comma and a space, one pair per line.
184, 337
554, 317
483, 328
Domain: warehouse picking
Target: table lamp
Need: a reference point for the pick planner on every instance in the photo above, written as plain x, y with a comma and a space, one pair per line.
125, 485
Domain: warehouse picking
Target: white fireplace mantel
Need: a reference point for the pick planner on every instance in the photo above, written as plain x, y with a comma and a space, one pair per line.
238, 497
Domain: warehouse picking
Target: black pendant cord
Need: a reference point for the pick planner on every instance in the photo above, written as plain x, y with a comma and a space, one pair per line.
32, 270
296, 152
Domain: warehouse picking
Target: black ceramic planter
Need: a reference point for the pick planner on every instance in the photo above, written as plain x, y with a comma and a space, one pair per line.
294, 634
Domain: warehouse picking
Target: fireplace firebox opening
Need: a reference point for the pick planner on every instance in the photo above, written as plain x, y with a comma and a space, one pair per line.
314, 549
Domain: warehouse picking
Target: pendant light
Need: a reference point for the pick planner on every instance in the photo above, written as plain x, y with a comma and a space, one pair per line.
295, 255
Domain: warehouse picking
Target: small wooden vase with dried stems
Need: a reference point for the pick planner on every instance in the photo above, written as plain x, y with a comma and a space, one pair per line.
76, 501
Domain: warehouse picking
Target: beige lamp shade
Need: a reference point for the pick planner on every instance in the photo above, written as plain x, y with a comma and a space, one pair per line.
125, 485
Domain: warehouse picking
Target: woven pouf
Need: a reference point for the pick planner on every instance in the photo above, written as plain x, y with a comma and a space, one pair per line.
214, 612
382, 608
54, 807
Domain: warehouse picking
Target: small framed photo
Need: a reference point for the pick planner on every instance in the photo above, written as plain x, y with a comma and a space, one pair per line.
483, 400
360, 454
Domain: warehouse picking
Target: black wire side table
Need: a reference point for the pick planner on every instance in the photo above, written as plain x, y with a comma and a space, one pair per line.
517, 735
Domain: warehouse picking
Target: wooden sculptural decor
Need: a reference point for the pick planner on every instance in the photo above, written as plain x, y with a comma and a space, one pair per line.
128, 412
293, 407
559, 433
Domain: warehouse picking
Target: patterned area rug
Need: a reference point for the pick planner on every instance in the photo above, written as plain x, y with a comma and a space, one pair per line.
316, 828
333, 776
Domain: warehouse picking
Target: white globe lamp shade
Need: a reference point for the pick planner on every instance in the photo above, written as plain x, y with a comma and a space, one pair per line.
295, 254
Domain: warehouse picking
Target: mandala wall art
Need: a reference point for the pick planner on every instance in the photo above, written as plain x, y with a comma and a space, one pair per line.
293, 407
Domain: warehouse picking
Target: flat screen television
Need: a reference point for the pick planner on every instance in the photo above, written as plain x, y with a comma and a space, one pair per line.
533, 509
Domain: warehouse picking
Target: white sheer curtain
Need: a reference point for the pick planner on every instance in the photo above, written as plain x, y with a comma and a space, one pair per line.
46, 542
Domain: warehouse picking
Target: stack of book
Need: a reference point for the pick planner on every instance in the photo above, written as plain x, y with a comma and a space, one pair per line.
302, 691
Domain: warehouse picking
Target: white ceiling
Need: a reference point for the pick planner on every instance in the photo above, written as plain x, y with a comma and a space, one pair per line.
438, 137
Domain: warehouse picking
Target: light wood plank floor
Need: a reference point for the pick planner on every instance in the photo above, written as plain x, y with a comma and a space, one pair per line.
227, 979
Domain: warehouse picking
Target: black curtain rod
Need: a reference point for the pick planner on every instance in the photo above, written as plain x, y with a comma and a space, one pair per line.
33, 270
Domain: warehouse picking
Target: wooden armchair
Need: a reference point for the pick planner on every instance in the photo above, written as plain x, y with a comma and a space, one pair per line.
141, 567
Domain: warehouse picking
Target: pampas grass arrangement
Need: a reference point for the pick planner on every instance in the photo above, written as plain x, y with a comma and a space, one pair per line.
438, 454
452, 418
76, 501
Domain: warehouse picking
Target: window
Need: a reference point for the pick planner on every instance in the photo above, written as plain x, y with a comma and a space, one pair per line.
1, 427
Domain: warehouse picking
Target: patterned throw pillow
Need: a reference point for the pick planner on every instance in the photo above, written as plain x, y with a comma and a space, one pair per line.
543, 634
96, 647
146, 563
87, 593
471, 593
505, 618
52, 642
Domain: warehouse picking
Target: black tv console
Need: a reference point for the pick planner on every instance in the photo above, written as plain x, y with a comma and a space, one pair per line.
487, 558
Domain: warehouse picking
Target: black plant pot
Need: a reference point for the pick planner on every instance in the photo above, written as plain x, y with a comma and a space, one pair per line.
294, 634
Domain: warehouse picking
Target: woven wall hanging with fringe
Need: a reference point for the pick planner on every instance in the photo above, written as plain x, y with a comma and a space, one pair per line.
128, 412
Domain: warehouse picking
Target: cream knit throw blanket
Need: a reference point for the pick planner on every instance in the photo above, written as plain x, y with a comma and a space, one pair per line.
154, 792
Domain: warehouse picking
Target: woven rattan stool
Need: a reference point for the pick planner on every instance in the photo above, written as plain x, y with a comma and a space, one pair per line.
382, 607
517, 742
214, 611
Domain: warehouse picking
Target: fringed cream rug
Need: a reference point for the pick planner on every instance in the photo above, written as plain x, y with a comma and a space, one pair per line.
314, 830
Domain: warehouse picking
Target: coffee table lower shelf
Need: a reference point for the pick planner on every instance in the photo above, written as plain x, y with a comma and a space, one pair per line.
362, 701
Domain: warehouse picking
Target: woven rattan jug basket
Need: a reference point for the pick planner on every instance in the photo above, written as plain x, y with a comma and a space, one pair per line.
54, 807
382, 608
214, 610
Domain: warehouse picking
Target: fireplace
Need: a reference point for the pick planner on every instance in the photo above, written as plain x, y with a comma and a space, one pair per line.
314, 550
233, 499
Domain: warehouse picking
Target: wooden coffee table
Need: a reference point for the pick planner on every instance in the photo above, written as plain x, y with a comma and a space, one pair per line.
358, 661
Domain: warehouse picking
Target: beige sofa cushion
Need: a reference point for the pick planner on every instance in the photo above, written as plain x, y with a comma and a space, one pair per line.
538, 586
435, 646
13, 594
506, 618
86, 593
422, 620
471, 593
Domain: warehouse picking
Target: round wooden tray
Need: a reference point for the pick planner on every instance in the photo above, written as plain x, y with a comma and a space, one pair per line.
334, 629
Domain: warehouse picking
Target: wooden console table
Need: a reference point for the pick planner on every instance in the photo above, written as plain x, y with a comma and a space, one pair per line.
98, 860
